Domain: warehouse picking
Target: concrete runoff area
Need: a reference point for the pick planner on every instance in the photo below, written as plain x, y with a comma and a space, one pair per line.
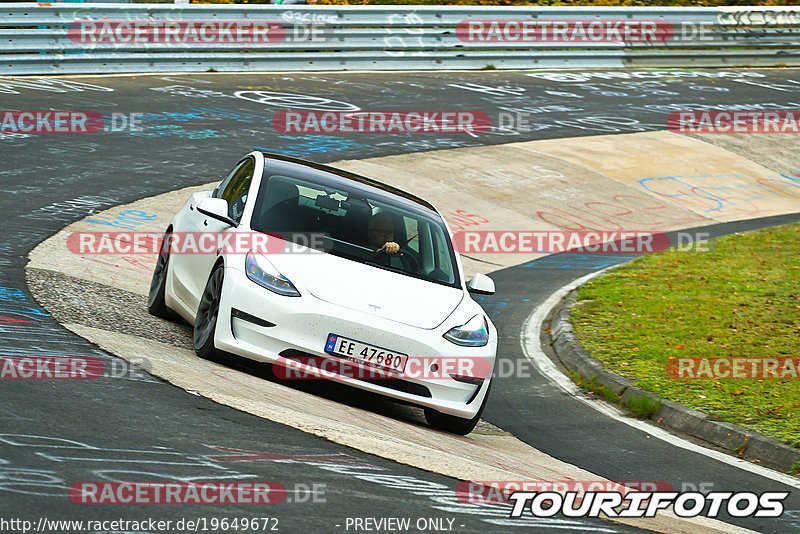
650, 181
602, 177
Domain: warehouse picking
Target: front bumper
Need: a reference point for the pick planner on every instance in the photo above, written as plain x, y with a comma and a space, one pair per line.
259, 324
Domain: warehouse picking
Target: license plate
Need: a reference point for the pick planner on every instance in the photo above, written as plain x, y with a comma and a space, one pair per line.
357, 351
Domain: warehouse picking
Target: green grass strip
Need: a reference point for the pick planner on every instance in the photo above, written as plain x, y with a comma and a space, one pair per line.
740, 299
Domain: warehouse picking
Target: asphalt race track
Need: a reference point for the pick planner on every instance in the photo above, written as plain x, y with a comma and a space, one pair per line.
132, 426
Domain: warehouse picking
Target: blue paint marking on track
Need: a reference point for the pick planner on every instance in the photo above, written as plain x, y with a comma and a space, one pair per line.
576, 261
312, 144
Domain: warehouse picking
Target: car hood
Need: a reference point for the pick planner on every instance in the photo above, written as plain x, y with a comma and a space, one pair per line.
370, 289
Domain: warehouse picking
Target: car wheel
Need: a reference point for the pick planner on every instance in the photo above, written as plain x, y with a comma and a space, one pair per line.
453, 424
205, 322
158, 284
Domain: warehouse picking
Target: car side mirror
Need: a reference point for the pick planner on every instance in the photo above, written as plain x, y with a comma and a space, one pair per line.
481, 284
216, 208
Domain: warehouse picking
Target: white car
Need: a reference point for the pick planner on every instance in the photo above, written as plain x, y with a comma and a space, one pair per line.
364, 286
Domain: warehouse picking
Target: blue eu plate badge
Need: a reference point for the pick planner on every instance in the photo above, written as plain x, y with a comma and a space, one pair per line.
331, 344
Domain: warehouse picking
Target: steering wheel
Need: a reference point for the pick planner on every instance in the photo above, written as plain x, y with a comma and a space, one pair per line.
404, 256
414, 263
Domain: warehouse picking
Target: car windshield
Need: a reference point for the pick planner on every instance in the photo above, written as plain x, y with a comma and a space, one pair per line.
357, 222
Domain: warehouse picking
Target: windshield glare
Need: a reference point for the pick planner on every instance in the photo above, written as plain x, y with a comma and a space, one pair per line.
357, 225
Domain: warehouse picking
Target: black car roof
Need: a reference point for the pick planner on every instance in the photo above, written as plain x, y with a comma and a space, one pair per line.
342, 176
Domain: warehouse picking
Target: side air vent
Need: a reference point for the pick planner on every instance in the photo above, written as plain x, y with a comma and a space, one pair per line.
244, 316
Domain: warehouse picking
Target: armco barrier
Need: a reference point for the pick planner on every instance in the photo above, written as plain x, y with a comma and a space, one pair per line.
69, 38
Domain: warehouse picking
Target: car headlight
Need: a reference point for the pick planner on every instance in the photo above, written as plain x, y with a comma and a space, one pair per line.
263, 273
474, 333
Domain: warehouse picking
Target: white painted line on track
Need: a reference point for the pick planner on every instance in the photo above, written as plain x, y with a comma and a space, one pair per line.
532, 349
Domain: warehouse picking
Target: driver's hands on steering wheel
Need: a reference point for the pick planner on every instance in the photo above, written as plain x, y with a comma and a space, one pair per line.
390, 247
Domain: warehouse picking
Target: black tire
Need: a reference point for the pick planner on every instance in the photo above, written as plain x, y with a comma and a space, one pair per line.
205, 322
158, 284
453, 424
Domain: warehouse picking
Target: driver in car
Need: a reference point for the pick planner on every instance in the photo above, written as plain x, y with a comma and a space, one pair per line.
381, 233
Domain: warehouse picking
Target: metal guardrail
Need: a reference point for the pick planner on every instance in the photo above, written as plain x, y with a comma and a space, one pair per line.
69, 38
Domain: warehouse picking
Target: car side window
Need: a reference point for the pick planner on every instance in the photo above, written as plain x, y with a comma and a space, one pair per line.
224, 183
444, 267
412, 233
235, 187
